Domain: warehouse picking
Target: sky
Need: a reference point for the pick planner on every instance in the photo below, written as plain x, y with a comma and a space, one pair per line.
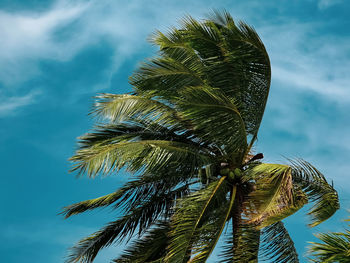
55, 56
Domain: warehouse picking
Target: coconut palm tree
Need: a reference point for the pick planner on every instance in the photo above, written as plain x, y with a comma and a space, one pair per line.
334, 249
185, 134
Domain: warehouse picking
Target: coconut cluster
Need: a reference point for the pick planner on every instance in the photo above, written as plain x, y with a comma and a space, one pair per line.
233, 174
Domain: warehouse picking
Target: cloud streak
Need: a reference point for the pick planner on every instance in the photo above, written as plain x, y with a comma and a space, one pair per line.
30, 37
301, 56
27, 38
10, 105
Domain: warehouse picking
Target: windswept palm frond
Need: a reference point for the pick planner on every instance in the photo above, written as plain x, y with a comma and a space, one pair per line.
222, 55
299, 200
216, 118
138, 130
276, 245
125, 107
147, 155
335, 248
163, 75
151, 115
323, 196
274, 193
175, 45
245, 246
140, 216
210, 231
189, 213
132, 192
149, 248
90, 204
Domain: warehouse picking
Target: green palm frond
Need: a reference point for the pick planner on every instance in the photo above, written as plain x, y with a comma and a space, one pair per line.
245, 244
299, 200
323, 196
210, 231
335, 248
276, 245
125, 107
149, 248
147, 155
274, 193
140, 216
164, 75
129, 195
189, 213
90, 204
215, 118
175, 46
222, 55
139, 130
248, 79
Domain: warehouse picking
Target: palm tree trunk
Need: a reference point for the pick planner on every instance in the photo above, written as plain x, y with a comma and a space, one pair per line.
246, 239
236, 221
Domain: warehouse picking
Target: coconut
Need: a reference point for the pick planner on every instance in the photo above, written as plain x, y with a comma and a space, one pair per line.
231, 175
224, 171
238, 172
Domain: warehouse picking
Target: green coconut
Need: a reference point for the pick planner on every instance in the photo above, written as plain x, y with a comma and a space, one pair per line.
238, 172
231, 175
224, 171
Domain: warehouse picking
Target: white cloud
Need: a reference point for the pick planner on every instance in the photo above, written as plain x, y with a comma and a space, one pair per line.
9, 105
27, 37
300, 56
304, 58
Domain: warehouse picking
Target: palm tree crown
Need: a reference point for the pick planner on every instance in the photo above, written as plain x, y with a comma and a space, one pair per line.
186, 133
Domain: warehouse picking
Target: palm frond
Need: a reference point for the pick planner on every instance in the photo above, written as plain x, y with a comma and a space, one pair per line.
125, 107
244, 246
141, 214
215, 118
216, 53
175, 46
147, 155
246, 57
90, 204
128, 196
150, 247
323, 196
299, 200
335, 247
273, 196
210, 232
188, 215
165, 75
222, 18
276, 245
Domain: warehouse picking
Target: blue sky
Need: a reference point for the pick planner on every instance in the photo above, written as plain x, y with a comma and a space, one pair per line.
56, 55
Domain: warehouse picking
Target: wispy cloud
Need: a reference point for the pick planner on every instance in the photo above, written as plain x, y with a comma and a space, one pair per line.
300, 56
304, 58
29, 37
9, 105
